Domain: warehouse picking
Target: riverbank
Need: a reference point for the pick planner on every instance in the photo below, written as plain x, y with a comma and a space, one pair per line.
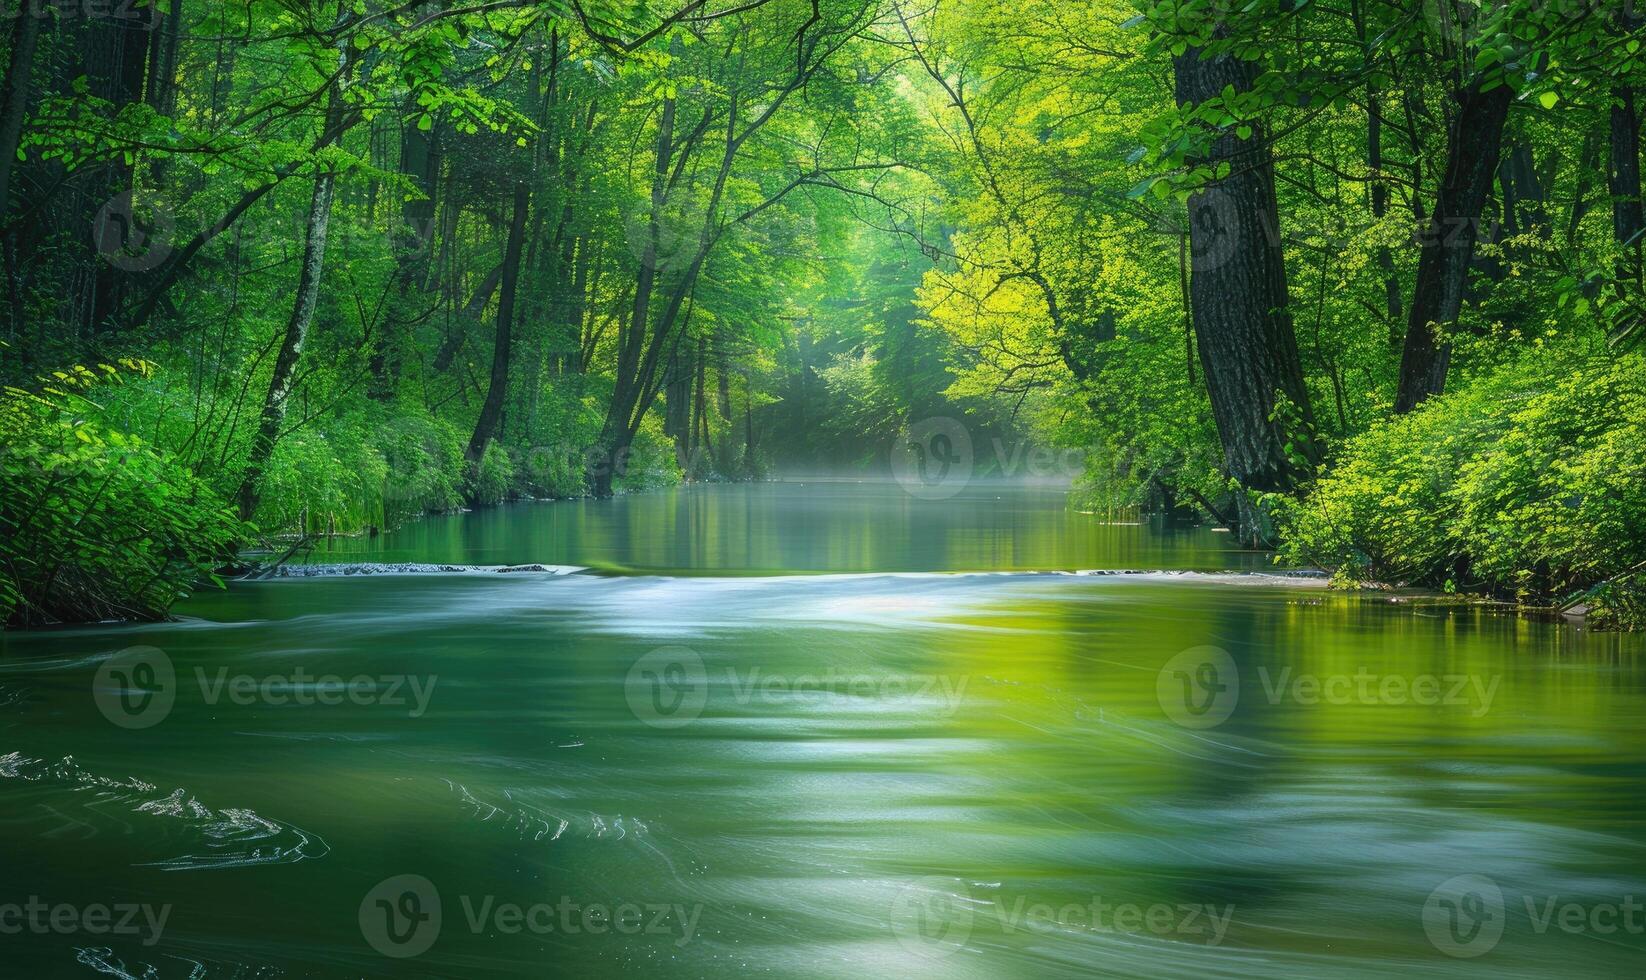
118, 500
1527, 485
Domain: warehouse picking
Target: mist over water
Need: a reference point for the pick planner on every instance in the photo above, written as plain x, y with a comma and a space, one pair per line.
779, 736
804, 525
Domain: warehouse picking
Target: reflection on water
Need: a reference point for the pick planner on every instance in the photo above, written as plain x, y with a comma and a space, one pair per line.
815, 526
842, 775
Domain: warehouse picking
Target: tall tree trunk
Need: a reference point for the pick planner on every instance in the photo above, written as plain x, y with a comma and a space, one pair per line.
420, 160
161, 89
748, 426
700, 416
1524, 198
1380, 187
116, 60
1588, 162
1380, 207
1623, 172
569, 360
302, 313
1238, 292
291, 346
14, 99
492, 410
1628, 224
631, 340
677, 401
624, 416
1473, 145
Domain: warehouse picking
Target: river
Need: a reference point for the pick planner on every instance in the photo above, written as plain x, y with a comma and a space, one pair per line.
820, 730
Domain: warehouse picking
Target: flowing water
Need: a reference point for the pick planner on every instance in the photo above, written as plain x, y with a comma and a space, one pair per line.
791, 730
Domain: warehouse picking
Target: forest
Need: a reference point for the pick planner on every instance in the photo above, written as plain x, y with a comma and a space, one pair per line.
1360, 281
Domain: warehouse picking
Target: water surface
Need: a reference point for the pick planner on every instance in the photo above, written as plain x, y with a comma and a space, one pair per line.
875, 768
810, 526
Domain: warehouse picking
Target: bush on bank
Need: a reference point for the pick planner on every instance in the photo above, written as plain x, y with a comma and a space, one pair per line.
1529, 482
116, 483
96, 523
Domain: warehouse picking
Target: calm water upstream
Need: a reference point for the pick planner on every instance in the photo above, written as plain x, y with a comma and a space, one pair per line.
703, 763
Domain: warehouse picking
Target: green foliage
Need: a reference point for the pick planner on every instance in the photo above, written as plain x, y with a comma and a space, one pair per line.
375, 466
95, 522
422, 464
493, 477
1529, 483
650, 462
770, 238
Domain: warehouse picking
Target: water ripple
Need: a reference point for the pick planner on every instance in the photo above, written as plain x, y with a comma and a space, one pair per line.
232, 837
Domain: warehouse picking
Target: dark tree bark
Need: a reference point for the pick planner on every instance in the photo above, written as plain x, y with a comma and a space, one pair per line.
1524, 198
14, 99
569, 360
699, 435
1238, 294
492, 410
1623, 171
677, 400
748, 427
1380, 188
1473, 145
1380, 207
420, 160
1520, 208
116, 51
1588, 163
161, 91
453, 342
1628, 223
614, 436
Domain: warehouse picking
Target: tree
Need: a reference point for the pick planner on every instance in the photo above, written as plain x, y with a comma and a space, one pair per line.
315, 230
1238, 293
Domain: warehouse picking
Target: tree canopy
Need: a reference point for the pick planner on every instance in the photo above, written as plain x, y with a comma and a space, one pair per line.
358, 261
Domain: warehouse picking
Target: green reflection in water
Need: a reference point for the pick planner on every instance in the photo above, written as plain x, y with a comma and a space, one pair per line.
836, 775
801, 527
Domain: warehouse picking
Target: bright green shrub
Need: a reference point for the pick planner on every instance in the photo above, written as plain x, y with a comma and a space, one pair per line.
1528, 482
423, 464
317, 482
1559, 500
651, 461
373, 468
550, 452
96, 523
493, 477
